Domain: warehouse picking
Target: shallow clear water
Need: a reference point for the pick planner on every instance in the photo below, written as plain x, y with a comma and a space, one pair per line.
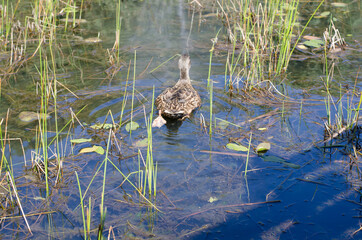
202, 190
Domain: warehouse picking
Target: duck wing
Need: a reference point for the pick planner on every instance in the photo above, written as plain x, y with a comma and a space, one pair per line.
178, 101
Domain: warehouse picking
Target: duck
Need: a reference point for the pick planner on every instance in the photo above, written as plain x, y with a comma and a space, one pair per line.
179, 101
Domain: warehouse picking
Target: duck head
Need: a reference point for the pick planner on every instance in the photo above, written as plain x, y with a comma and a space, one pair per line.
184, 64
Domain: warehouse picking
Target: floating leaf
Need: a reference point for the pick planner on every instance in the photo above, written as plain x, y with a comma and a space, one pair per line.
292, 165
131, 126
103, 126
263, 147
97, 149
92, 40
236, 147
308, 37
222, 124
316, 43
27, 116
39, 198
81, 140
212, 199
324, 14
301, 47
141, 143
280, 160
96, 126
339, 4
276, 159
109, 126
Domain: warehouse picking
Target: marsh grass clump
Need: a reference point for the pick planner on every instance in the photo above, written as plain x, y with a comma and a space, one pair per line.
342, 128
346, 116
259, 36
345, 108
259, 40
23, 32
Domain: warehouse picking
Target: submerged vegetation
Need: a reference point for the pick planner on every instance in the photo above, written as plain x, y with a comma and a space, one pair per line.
77, 101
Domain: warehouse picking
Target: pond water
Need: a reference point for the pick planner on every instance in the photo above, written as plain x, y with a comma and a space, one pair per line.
300, 189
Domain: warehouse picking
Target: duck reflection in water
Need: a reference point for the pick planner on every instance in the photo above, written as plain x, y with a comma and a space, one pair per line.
173, 125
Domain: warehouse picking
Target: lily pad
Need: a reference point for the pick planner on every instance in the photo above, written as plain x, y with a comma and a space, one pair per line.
131, 126
81, 140
236, 147
263, 147
27, 116
315, 43
96, 149
141, 143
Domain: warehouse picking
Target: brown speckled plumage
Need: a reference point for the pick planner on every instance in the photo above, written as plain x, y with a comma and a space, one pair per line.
180, 100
